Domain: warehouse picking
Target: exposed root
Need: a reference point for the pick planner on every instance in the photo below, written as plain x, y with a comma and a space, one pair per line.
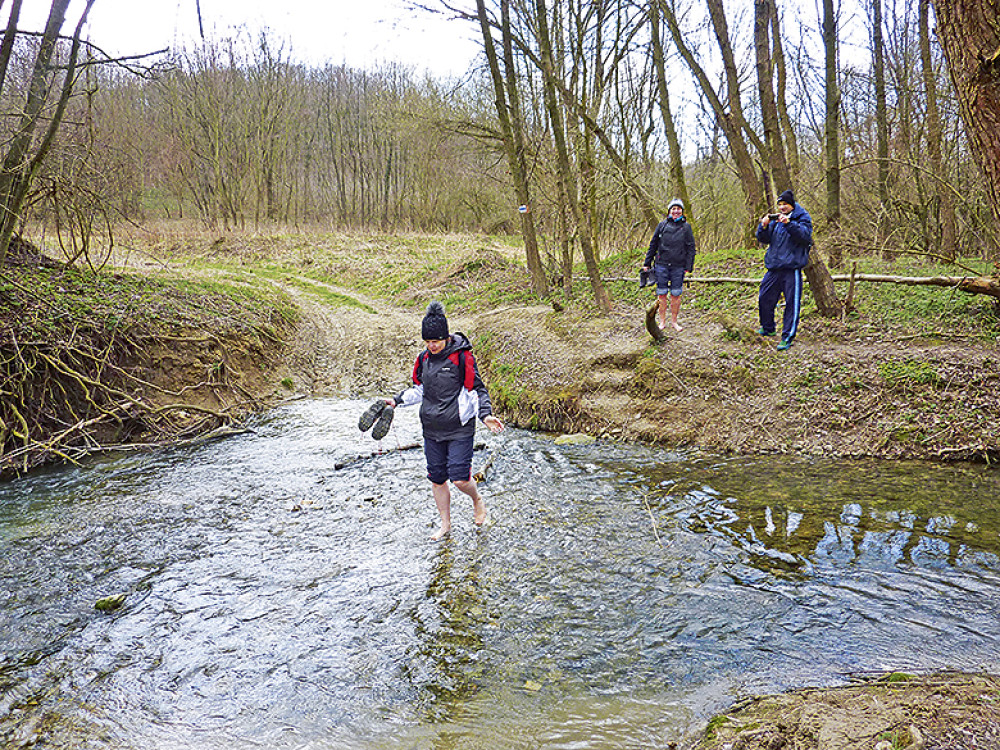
76, 381
63, 401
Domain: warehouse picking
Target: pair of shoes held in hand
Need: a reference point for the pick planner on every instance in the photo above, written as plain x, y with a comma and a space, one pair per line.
378, 414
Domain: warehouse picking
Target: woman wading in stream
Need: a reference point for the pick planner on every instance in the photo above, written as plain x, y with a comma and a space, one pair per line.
451, 395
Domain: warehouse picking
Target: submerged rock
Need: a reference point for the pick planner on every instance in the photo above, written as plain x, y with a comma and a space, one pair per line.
577, 438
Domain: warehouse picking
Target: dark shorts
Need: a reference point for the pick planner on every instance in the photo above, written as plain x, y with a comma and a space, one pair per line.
669, 280
449, 459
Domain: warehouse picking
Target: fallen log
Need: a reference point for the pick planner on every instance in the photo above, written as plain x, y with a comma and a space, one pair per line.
988, 285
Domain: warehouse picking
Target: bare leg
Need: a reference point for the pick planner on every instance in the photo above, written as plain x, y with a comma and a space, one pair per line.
442, 498
478, 506
663, 310
675, 307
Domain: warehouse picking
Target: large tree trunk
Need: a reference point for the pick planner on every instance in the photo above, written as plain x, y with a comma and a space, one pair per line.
970, 36
781, 79
821, 284
764, 10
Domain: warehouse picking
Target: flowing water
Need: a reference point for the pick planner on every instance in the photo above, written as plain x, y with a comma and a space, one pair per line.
618, 596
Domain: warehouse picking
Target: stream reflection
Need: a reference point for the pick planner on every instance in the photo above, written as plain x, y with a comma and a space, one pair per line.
619, 595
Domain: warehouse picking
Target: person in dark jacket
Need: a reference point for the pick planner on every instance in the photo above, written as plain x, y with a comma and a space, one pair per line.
671, 253
788, 236
451, 395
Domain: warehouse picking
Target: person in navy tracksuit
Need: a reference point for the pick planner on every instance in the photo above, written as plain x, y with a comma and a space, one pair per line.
451, 395
788, 237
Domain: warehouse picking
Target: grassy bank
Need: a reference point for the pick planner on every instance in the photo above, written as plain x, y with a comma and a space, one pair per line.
93, 361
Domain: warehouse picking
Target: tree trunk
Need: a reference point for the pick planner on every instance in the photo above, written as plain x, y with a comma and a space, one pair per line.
821, 285
511, 127
946, 230
970, 37
539, 284
23, 155
986, 285
832, 133
774, 146
787, 127
7, 46
881, 129
566, 181
678, 183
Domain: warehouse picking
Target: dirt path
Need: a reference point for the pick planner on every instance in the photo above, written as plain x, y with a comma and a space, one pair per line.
362, 347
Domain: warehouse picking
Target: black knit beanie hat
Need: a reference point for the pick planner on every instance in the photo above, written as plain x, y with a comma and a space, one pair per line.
435, 325
787, 197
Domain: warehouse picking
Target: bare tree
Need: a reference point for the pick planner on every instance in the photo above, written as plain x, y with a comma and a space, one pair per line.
46, 99
567, 180
508, 106
729, 115
764, 12
832, 129
781, 81
881, 125
678, 183
946, 230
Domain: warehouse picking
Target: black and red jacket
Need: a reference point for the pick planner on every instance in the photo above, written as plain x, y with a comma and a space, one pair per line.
449, 390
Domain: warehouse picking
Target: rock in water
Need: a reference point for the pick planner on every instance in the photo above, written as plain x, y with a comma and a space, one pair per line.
110, 603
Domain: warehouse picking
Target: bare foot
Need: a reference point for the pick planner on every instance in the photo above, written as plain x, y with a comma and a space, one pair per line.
479, 511
677, 326
441, 533
663, 325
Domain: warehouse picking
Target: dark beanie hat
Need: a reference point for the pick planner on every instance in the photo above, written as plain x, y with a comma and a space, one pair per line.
787, 197
435, 325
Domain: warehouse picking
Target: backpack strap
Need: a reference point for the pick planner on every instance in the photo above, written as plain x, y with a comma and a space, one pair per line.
463, 360
418, 366
470, 371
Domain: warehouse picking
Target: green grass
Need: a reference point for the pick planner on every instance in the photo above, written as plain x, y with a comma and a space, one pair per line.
909, 373
318, 289
43, 302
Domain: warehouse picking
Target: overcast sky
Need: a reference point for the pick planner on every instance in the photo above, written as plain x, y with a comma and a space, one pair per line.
360, 33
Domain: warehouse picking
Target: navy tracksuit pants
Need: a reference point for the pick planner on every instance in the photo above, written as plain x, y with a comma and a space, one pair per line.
778, 282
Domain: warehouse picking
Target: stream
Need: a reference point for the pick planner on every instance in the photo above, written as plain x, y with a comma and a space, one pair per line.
618, 596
